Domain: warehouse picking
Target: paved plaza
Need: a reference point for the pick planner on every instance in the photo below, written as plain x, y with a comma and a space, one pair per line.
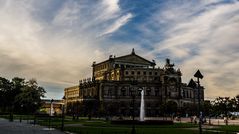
16, 127
213, 121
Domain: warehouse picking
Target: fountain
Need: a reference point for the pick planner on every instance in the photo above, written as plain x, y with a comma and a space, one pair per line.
51, 110
141, 120
142, 107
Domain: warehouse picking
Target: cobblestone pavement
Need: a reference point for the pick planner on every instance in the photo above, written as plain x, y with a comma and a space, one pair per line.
16, 127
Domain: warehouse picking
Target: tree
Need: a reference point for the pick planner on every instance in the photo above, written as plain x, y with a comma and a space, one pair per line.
236, 103
17, 88
207, 108
222, 105
18, 94
5, 94
30, 97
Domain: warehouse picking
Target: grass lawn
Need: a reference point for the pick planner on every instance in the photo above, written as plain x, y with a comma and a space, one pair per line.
96, 126
228, 128
127, 130
105, 127
139, 130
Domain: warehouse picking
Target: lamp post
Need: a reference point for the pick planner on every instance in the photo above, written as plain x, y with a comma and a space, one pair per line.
199, 75
34, 122
21, 112
133, 94
133, 105
63, 114
133, 102
11, 114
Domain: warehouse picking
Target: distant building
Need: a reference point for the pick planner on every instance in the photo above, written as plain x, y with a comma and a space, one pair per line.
56, 108
72, 94
115, 80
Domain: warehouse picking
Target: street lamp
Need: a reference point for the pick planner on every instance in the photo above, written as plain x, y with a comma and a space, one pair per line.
34, 122
133, 94
11, 113
21, 112
133, 104
199, 75
63, 114
133, 101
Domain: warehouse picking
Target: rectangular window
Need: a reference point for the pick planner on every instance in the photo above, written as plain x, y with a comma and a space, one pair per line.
156, 92
148, 92
105, 92
109, 92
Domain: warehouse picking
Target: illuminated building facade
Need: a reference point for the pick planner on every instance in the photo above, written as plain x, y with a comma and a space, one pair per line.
115, 80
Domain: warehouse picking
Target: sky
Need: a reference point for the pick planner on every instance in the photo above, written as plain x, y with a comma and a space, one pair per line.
56, 41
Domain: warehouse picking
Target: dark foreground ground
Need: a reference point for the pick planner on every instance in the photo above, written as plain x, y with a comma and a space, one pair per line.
7, 127
100, 126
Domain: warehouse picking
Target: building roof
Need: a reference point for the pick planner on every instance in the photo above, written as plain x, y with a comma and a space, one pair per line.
49, 101
72, 87
130, 58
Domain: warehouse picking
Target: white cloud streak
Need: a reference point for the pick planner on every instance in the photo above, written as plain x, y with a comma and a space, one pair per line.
206, 38
120, 22
60, 49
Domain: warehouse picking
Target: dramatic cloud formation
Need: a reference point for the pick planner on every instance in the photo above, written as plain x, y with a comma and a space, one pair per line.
56, 41
55, 46
205, 36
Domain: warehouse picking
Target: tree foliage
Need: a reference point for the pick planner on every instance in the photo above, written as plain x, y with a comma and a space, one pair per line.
5, 94
19, 95
225, 105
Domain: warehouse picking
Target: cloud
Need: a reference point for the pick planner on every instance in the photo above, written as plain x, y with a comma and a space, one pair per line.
57, 41
120, 22
98, 18
204, 37
57, 47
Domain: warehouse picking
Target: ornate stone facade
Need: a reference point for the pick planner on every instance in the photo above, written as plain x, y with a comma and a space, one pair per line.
117, 79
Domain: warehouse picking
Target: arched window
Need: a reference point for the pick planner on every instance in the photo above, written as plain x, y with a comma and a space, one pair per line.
156, 92
123, 91
148, 92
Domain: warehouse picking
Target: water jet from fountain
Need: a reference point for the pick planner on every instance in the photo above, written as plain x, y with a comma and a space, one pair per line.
142, 113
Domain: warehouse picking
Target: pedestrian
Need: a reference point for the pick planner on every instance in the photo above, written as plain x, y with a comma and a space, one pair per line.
195, 119
225, 120
191, 118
